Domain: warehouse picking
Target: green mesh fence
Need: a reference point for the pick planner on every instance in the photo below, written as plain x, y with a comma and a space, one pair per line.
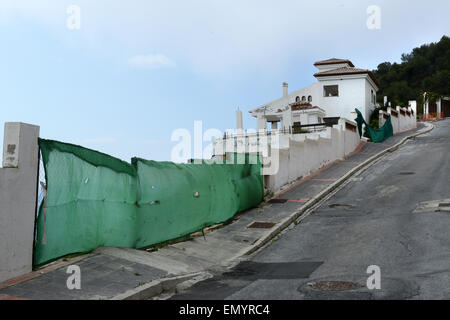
95, 200
376, 135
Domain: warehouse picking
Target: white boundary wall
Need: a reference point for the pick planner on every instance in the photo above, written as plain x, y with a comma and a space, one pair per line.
403, 119
307, 153
298, 155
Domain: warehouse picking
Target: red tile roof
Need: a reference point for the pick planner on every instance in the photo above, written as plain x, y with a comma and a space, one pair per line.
347, 71
303, 105
333, 61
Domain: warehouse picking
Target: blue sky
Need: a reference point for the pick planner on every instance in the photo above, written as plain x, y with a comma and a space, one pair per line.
137, 70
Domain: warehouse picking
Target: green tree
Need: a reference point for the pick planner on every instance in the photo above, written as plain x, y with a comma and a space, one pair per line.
425, 69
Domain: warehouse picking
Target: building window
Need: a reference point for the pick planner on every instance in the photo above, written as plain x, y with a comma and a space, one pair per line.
297, 99
371, 96
303, 98
331, 91
309, 99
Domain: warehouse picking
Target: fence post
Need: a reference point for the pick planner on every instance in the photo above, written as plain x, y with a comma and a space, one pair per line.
18, 186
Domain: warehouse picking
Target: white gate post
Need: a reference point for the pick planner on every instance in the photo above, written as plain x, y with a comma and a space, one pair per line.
18, 195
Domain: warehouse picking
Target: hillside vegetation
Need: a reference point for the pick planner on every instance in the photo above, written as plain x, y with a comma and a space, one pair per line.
425, 69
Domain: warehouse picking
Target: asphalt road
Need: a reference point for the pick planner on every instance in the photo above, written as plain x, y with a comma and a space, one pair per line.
377, 218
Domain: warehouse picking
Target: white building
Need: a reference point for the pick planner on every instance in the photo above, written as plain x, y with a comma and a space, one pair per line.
339, 90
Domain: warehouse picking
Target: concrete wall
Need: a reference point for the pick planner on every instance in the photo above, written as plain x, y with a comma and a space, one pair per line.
403, 119
303, 154
18, 191
296, 155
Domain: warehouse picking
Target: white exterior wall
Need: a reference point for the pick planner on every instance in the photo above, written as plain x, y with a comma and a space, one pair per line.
354, 92
351, 96
283, 102
312, 90
310, 116
370, 106
313, 118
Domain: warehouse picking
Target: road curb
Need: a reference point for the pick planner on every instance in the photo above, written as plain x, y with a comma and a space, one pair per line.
313, 201
156, 287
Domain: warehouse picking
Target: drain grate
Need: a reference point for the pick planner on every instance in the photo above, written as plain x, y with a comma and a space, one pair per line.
406, 173
261, 225
341, 206
278, 201
334, 285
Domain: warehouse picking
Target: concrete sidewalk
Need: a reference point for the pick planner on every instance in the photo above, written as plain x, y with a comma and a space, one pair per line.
120, 273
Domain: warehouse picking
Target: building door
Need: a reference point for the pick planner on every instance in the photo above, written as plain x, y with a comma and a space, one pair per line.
432, 107
445, 108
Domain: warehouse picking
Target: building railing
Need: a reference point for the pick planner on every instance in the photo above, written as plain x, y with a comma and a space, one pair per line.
302, 129
293, 130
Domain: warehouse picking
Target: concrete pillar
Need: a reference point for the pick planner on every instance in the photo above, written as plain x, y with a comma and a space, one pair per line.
18, 195
381, 119
399, 119
287, 119
261, 123
439, 107
413, 105
385, 100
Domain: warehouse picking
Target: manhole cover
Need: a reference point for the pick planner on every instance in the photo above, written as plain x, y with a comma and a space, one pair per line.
406, 173
261, 225
334, 285
341, 206
278, 201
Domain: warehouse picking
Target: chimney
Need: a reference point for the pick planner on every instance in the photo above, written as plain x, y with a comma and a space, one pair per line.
239, 123
285, 89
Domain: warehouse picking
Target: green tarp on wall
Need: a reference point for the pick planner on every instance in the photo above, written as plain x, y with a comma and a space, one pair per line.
177, 199
376, 135
95, 200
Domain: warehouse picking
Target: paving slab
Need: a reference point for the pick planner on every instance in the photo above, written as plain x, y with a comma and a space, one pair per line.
102, 276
